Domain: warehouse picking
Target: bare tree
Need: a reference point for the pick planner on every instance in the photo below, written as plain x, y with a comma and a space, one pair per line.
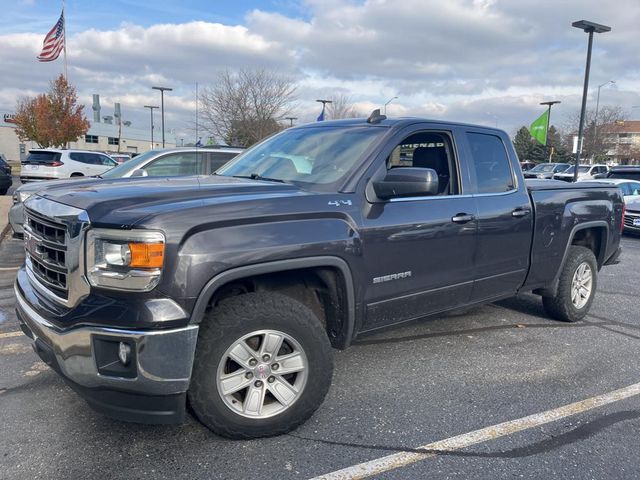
246, 106
341, 106
596, 131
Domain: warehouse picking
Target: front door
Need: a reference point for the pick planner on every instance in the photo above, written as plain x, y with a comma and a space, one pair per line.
418, 251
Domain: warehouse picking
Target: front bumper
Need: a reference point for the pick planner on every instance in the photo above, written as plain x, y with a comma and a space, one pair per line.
152, 390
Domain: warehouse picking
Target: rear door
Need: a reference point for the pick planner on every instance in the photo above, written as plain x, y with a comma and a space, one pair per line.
505, 219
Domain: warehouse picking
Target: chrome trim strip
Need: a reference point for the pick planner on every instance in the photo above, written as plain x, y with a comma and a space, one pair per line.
164, 357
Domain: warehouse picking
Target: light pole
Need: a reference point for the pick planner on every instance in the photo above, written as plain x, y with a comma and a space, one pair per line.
324, 104
162, 90
552, 102
385, 105
151, 107
595, 121
291, 119
590, 28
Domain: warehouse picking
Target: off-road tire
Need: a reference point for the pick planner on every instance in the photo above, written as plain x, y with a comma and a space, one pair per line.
239, 316
560, 306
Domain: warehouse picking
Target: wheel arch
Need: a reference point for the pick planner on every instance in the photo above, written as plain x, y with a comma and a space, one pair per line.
593, 235
340, 330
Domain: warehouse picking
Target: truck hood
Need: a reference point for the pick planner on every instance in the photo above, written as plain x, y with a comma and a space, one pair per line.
126, 201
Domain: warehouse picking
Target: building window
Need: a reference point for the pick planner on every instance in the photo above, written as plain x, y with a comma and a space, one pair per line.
91, 139
114, 141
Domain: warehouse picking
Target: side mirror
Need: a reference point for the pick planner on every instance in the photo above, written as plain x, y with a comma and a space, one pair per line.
139, 173
407, 182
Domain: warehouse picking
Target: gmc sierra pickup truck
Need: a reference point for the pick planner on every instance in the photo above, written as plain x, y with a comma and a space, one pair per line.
229, 291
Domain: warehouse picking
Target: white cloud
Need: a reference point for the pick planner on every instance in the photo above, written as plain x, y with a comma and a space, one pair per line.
467, 60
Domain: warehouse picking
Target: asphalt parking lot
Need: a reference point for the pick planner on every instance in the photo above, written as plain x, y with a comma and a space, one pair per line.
392, 393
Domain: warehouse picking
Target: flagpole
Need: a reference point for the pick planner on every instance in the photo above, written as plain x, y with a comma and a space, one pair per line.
64, 47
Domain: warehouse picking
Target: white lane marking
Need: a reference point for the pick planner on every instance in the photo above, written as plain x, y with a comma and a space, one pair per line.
402, 459
11, 334
4, 269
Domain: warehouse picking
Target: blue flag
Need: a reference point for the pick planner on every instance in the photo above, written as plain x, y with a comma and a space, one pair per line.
321, 116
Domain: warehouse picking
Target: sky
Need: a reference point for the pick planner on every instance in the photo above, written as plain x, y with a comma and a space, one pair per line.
489, 62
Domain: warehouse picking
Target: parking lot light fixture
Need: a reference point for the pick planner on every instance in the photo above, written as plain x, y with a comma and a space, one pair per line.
162, 90
590, 28
390, 100
151, 107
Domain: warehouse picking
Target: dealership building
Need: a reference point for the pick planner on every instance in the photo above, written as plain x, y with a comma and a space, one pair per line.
105, 135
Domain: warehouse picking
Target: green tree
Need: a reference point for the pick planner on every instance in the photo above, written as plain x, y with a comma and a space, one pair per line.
523, 145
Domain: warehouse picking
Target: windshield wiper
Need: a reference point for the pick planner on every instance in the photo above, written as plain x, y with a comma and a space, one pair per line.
257, 176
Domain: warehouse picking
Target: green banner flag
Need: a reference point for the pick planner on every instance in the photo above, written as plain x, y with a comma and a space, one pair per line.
539, 127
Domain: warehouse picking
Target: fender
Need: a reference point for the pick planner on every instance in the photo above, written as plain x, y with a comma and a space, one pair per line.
280, 266
552, 289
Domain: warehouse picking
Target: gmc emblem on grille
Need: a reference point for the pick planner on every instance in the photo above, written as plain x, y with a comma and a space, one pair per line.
31, 245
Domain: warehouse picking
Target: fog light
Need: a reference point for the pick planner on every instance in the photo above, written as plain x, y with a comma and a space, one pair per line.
124, 353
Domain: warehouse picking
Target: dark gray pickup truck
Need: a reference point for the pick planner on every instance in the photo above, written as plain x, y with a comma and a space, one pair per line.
229, 291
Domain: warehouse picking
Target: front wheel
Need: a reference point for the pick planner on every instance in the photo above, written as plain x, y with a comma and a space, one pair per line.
263, 365
576, 286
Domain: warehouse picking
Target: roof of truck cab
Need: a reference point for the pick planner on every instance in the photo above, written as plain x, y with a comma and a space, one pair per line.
397, 122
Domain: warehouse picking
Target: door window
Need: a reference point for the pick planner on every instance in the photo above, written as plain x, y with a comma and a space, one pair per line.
218, 159
428, 150
174, 164
491, 163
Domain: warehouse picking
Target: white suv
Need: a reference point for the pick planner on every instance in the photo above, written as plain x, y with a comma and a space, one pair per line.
54, 163
585, 172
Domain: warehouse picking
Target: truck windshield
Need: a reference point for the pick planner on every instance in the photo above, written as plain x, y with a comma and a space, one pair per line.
317, 156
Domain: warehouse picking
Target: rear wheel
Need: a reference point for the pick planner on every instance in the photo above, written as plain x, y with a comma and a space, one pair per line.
77, 174
262, 367
576, 287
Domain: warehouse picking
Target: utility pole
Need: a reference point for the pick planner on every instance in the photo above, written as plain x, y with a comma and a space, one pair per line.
151, 107
553, 102
291, 119
162, 90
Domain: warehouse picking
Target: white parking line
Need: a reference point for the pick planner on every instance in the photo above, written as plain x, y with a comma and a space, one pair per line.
10, 334
398, 460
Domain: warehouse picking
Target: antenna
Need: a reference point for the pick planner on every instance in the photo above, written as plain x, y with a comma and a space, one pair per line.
375, 117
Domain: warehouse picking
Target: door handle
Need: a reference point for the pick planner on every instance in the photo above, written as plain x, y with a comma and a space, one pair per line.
462, 218
520, 212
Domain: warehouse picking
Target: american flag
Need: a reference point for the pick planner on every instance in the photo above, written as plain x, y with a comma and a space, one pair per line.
53, 42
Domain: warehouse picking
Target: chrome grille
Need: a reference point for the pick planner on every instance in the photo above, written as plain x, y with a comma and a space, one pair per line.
46, 248
629, 217
54, 249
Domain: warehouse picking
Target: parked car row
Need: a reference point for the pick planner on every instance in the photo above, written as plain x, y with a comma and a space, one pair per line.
5, 175
154, 163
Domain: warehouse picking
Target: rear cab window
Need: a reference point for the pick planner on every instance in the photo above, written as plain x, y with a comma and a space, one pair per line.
490, 164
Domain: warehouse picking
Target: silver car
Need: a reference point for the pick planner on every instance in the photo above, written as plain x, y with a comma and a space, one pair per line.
169, 162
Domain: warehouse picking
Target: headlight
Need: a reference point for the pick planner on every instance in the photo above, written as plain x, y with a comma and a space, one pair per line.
125, 259
540, 175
